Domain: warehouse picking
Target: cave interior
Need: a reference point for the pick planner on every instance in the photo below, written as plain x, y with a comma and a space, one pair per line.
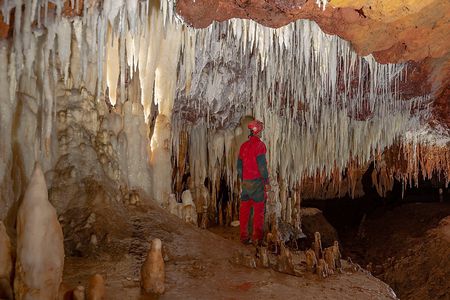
121, 124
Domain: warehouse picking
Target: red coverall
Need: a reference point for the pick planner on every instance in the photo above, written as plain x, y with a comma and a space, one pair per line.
252, 169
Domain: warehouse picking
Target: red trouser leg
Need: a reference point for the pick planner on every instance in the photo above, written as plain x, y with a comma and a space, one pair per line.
244, 215
258, 221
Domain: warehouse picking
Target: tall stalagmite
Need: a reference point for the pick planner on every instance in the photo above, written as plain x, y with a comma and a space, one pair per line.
40, 248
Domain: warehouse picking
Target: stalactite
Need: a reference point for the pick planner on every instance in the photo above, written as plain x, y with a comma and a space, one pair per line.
112, 66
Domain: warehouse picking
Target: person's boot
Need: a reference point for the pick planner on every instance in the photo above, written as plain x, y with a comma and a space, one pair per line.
246, 241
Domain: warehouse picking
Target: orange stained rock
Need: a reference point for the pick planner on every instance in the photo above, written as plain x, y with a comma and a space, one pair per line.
67, 10
5, 29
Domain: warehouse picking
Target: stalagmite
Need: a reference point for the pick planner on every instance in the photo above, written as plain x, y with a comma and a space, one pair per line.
285, 263
322, 269
153, 271
330, 258
173, 206
40, 248
263, 258
96, 288
79, 293
337, 254
311, 260
5, 264
273, 237
317, 245
205, 218
189, 210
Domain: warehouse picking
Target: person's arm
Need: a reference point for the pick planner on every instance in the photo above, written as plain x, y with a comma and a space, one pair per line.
262, 166
239, 168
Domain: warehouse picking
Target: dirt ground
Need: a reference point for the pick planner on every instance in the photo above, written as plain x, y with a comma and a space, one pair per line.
198, 262
408, 247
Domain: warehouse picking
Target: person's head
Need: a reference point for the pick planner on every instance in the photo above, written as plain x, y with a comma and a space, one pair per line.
256, 127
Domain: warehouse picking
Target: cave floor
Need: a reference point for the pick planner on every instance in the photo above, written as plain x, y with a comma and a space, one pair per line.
407, 246
198, 265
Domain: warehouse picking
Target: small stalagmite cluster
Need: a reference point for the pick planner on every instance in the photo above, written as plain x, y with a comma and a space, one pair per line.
324, 262
277, 255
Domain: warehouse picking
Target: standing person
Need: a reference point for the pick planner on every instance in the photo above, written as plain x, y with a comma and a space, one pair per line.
252, 170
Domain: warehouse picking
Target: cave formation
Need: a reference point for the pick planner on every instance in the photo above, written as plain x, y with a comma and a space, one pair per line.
121, 124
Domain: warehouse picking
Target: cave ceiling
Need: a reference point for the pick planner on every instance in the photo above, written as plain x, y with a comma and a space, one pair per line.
412, 31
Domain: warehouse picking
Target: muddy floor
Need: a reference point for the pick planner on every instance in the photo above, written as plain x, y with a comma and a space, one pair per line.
407, 246
199, 263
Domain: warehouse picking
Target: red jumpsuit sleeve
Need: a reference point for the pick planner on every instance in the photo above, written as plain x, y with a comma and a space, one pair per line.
262, 162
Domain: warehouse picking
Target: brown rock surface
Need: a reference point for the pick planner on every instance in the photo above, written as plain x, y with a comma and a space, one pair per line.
409, 248
314, 221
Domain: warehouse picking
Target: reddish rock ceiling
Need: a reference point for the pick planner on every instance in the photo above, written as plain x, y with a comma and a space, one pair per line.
394, 40
6, 30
